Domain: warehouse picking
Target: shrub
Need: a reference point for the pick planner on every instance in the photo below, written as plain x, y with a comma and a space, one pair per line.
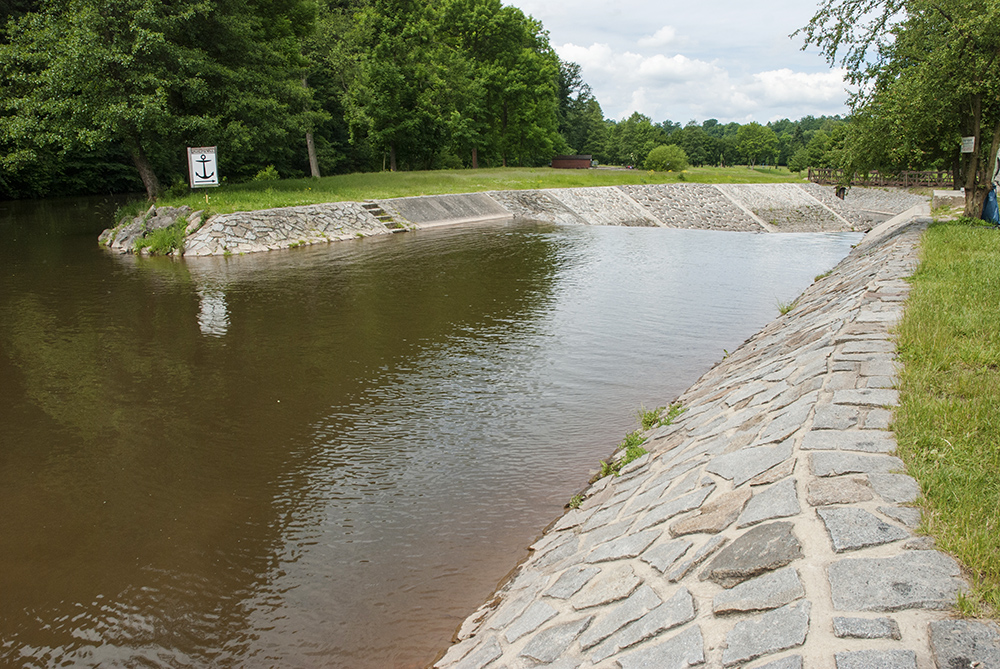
667, 158
267, 174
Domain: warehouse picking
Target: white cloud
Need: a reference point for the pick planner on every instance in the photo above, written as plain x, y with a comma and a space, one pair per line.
681, 88
660, 38
677, 69
777, 87
729, 59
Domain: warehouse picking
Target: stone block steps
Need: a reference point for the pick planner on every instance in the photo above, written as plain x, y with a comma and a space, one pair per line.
376, 210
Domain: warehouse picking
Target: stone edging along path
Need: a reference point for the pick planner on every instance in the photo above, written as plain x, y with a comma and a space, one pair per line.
782, 207
769, 526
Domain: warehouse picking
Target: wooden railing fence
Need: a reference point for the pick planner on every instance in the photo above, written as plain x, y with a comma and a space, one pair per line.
933, 179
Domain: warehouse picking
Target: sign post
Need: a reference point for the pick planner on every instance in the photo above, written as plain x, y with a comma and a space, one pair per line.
202, 167
968, 144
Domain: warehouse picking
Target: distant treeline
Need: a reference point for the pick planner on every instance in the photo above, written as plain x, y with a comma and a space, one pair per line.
808, 142
100, 96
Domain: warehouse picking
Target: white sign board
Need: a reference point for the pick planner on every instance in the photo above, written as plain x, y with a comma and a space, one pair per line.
202, 167
968, 144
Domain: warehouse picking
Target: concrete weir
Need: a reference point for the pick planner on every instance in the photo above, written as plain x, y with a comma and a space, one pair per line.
738, 207
770, 526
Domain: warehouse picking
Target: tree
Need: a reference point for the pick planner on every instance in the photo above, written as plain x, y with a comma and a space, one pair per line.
755, 141
152, 76
391, 99
698, 145
927, 72
631, 140
520, 78
667, 158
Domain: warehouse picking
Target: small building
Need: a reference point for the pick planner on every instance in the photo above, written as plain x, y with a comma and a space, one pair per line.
572, 162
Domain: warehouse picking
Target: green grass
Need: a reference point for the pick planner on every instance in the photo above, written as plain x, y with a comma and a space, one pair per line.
383, 185
161, 242
650, 418
633, 450
631, 446
785, 307
948, 422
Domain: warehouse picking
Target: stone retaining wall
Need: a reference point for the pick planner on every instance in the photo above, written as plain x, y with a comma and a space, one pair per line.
271, 229
749, 208
770, 526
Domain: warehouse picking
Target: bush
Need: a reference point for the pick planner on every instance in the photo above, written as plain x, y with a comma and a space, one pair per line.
267, 174
667, 158
449, 161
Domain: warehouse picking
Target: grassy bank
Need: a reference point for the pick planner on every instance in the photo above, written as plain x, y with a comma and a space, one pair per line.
383, 185
948, 422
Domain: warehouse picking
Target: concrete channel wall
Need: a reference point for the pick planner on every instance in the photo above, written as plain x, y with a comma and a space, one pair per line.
770, 526
746, 207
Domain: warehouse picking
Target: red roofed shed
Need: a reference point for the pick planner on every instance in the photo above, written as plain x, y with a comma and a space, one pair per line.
571, 162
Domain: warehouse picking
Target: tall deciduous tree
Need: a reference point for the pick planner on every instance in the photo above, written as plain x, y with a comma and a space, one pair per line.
927, 72
151, 76
756, 142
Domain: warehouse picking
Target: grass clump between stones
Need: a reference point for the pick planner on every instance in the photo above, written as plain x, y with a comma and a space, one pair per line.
785, 307
165, 240
650, 418
630, 447
948, 422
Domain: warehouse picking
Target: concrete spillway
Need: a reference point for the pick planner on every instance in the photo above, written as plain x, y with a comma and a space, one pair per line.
738, 207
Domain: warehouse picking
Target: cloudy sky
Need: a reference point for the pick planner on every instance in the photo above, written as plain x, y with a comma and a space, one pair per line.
684, 60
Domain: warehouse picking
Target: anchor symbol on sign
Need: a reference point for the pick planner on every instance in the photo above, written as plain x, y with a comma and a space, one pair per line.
204, 161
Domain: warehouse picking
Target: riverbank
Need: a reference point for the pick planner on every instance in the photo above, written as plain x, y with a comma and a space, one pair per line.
358, 187
769, 526
780, 207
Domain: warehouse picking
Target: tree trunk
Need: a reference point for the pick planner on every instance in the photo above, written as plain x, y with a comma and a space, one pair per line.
392, 157
989, 173
503, 131
146, 172
956, 172
475, 158
313, 161
310, 144
973, 199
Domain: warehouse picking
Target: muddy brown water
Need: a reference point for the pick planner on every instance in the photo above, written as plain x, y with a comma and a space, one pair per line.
329, 456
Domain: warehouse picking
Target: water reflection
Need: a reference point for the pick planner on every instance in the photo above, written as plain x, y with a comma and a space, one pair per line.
213, 313
329, 456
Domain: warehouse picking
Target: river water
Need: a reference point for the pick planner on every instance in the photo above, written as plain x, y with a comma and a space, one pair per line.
327, 456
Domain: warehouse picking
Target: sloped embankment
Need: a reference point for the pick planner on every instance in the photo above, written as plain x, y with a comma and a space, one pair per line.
748, 208
769, 526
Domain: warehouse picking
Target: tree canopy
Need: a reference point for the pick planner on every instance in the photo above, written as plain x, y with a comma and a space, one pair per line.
149, 76
927, 75
104, 97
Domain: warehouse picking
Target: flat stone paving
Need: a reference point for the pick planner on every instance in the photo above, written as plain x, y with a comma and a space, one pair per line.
770, 525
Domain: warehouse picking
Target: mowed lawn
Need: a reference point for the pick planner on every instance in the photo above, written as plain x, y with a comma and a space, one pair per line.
948, 422
384, 185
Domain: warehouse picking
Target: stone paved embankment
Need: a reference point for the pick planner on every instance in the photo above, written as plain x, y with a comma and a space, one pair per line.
769, 526
747, 208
